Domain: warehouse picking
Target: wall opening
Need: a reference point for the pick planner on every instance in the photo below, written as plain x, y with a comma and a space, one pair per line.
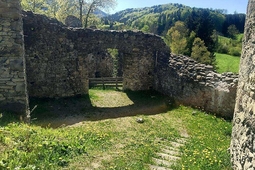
117, 62
108, 70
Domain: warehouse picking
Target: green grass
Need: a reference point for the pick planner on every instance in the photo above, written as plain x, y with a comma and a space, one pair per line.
33, 147
118, 143
208, 144
229, 52
239, 37
227, 63
230, 46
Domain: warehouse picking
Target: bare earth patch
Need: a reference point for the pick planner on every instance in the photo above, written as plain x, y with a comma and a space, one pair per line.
101, 105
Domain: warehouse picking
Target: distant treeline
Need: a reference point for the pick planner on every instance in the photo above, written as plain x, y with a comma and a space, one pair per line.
159, 19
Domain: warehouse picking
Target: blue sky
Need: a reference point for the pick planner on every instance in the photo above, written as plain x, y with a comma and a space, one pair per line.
231, 5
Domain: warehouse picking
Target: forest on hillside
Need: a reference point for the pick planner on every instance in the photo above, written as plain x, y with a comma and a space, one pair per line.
159, 19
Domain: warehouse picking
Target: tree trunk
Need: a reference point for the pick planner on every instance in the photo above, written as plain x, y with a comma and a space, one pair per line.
87, 16
81, 8
34, 6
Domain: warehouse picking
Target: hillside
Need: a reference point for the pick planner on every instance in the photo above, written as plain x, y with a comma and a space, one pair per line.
158, 19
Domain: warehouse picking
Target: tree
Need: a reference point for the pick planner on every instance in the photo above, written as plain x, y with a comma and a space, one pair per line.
177, 37
232, 31
190, 41
178, 43
36, 6
201, 23
92, 5
200, 52
81, 3
145, 29
66, 8
234, 19
52, 8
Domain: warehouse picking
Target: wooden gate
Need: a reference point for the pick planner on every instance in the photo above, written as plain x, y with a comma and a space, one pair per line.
106, 82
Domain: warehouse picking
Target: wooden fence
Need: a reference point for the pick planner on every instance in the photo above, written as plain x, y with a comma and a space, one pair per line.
106, 82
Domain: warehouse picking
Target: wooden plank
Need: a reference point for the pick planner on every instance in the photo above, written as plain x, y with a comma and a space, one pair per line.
111, 78
106, 81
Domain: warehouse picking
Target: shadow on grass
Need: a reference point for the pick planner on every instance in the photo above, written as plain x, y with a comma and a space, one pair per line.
8, 117
68, 111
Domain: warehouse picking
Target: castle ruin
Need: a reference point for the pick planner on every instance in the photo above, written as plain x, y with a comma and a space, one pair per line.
59, 61
56, 63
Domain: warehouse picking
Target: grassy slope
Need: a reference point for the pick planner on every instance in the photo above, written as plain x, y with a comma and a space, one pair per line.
208, 144
118, 143
227, 63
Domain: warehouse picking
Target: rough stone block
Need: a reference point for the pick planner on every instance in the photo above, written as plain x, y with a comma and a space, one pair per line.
242, 143
11, 56
6, 87
16, 64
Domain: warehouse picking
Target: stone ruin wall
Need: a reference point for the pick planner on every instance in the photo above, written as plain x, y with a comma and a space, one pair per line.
60, 59
197, 85
243, 133
58, 62
13, 94
54, 67
100, 64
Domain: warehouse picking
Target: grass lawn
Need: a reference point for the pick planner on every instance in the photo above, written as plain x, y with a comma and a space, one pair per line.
106, 135
227, 63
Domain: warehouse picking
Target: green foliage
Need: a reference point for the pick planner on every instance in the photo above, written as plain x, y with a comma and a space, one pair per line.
200, 52
230, 46
65, 8
119, 143
84, 9
158, 18
183, 42
165, 16
177, 37
232, 31
227, 63
115, 56
145, 29
31, 147
201, 23
218, 18
190, 41
91, 6
233, 19
36, 6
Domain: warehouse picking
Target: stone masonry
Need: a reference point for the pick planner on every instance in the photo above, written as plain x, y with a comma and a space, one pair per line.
243, 133
197, 85
13, 95
59, 60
